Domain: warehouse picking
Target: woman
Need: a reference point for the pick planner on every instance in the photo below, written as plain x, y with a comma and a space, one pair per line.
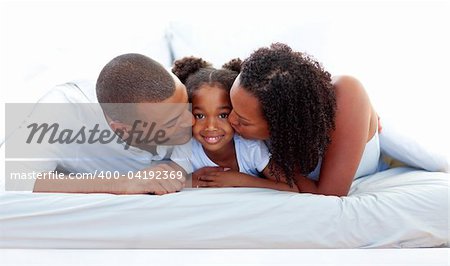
322, 133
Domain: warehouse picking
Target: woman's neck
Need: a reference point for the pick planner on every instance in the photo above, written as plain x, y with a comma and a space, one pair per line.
225, 157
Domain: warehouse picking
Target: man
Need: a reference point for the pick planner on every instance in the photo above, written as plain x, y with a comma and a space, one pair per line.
109, 146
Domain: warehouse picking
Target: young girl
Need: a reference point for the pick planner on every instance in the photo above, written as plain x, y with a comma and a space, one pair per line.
214, 143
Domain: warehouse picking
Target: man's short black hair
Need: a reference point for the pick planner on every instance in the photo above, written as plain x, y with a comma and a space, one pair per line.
133, 78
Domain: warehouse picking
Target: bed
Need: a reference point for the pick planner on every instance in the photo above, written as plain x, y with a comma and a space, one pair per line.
397, 208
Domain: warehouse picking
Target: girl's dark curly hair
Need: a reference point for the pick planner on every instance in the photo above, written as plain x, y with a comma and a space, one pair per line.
194, 72
299, 105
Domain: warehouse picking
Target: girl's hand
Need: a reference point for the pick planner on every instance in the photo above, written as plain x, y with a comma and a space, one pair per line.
222, 179
203, 172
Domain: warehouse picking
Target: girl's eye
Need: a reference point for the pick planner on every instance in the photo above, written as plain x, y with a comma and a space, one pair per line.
199, 116
223, 116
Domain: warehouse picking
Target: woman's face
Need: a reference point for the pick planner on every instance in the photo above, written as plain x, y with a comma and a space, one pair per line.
247, 117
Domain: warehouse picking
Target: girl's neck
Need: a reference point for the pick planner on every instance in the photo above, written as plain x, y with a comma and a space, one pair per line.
225, 157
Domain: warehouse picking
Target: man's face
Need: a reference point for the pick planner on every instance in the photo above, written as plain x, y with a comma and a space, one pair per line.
170, 118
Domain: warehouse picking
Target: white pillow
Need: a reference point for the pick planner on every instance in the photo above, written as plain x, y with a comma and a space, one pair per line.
408, 151
218, 43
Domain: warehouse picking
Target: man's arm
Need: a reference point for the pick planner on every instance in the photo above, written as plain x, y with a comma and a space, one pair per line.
160, 179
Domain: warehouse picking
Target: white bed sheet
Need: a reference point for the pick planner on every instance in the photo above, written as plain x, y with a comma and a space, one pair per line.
400, 207
266, 257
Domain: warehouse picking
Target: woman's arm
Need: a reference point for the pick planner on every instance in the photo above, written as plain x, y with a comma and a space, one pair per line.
341, 160
237, 179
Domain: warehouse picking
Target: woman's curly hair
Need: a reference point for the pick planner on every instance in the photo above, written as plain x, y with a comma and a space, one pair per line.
299, 105
195, 72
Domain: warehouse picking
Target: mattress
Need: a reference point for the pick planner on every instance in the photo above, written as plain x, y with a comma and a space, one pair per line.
399, 207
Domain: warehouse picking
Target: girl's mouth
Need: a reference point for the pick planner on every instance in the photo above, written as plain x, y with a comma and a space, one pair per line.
212, 139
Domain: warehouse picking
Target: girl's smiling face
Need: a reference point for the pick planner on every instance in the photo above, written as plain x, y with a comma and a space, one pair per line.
211, 107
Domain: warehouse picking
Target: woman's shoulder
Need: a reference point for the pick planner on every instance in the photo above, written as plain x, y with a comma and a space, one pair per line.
349, 90
346, 82
353, 104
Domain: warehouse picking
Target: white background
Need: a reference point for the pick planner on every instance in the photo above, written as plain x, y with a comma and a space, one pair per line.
399, 50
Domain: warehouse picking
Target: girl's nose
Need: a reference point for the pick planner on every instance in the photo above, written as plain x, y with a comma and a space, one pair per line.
211, 124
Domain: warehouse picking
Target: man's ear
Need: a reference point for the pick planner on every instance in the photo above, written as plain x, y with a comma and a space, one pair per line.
120, 128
